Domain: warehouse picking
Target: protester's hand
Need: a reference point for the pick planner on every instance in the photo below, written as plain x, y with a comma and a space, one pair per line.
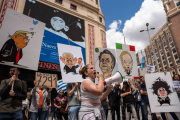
50, 89
137, 89
129, 81
110, 88
130, 92
12, 93
79, 98
27, 115
59, 107
66, 109
76, 84
13, 78
107, 101
99, 75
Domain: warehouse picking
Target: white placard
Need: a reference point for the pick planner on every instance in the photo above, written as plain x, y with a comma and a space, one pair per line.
176, 84
105, 62
21, 39
150, 68
71, 60
161, 96
127, 64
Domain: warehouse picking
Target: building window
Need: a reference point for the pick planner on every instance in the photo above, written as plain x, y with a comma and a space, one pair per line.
59, 1
153, 57
170, 39
160, 47
97, 2
160, 70
154, 63
177, 61
173, 73
164, 62
168, 54
158, 60
149, 61
166, 49
161, 52
176, 56
178, 3
162, 57
171, 65
157, 55
165, 44
159, 65
165, 68
170, 60
100, 19
148, 56
155, 50
163, 38
152, 53
174, 50
172, 44
73, 7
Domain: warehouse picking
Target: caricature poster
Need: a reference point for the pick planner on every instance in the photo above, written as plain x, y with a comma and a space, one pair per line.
105, 62
161, 96
71, 60
126, 59
58, 23
21, 39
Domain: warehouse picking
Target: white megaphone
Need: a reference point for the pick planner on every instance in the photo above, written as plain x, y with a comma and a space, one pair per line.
115, 78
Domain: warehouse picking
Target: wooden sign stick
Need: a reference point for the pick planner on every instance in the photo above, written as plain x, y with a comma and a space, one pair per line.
15, 73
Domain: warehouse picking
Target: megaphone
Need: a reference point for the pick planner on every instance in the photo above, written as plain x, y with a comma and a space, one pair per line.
115, 78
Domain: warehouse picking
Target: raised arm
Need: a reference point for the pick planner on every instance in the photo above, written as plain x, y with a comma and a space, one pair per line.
106, 93
71, 92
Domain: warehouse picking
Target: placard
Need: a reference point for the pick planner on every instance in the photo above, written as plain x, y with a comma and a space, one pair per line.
161, 96
46, 80
71, 60
176, 84
150, 68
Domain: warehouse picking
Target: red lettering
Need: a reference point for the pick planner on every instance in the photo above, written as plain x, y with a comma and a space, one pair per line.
46, 65
110, 79
50, 66
55, 66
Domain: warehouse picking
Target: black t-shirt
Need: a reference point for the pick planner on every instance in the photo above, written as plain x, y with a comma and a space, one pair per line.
128, 98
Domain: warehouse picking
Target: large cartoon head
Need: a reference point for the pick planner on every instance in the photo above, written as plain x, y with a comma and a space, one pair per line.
106, 61
161, 88
68, 59
58, 24
126, 60
21, 38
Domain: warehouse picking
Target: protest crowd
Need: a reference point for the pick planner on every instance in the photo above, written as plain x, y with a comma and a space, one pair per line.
81, 101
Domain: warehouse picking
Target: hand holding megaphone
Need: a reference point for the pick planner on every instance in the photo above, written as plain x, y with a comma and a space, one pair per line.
115, 78
99, 75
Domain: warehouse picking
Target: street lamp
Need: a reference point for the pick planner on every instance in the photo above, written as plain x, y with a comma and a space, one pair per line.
147, 24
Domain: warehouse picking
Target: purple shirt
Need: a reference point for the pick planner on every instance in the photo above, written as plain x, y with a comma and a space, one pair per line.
62, 100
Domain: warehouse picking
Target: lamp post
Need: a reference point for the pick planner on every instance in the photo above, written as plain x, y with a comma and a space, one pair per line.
147, 24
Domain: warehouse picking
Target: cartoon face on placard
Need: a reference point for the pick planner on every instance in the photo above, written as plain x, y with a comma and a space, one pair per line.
127, 64
21, 39
105, 62
161, 95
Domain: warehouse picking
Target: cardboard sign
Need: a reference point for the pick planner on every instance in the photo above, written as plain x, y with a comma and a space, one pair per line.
46, 80
150, 68
176, 84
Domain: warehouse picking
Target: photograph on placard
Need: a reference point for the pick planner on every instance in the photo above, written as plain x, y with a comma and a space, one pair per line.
161, 95
126, 59
21, 39
71, 60
105, 62
150, 68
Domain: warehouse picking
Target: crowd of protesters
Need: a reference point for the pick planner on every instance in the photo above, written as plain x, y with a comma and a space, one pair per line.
82, 101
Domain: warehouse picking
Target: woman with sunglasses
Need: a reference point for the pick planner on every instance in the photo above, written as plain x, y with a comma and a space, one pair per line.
91, 94
61, 103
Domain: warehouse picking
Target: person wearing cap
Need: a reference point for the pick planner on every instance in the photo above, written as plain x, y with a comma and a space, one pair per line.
128, 99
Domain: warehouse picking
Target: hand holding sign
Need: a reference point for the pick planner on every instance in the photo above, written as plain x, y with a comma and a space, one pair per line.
46, 80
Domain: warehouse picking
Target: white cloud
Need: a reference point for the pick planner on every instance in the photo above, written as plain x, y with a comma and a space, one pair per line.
151, 12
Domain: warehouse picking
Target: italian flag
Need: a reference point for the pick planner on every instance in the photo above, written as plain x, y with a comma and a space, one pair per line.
125, 47
128, 48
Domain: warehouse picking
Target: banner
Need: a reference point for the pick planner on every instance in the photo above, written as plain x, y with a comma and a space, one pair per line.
21, 39
46, 80
161, 96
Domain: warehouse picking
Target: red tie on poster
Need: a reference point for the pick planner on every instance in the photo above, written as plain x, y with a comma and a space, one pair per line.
17, 56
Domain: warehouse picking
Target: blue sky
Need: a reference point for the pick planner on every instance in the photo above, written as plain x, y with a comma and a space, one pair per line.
125, 18
119, 9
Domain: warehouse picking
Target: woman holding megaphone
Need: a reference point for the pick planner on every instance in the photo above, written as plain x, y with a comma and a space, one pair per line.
91, 94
